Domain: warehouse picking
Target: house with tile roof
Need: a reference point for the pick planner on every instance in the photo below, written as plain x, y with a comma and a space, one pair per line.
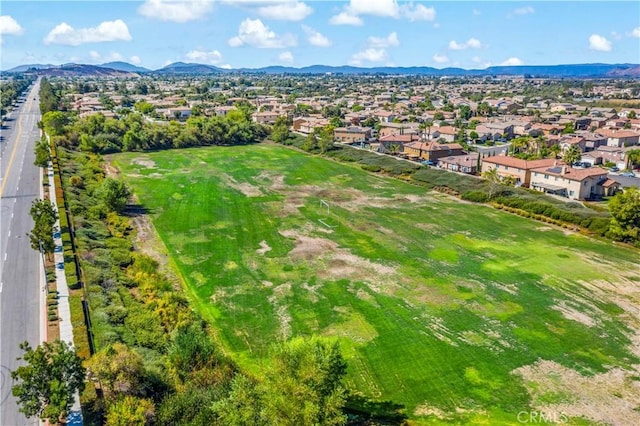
516, 168
570, 182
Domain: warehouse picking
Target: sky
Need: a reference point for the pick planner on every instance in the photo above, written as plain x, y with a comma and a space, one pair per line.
367, 33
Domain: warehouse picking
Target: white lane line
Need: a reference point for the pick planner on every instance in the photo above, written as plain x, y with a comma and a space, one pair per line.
9, 234
11, 215
5, 257
1, 283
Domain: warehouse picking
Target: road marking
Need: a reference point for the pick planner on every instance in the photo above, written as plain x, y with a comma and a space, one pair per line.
5, 257
9, 234
1, 284
13, 154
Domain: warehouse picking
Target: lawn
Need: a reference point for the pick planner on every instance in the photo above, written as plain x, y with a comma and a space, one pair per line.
457, 311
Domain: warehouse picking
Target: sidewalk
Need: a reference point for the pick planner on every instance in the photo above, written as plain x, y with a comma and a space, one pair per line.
64, 313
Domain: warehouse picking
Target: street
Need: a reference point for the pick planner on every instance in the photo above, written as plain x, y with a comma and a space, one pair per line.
21, 270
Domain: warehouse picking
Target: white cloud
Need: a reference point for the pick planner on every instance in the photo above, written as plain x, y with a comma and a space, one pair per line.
225, 66
315, 38
512, 61
472, 43
390, 40
369, 55
635, 32
175, 10
418, 12
524, 10
135, 60
351, 13
440, 59
598, 42
9, 26
476, 12
107, 31
213, 57
286, 57
373, 7
252, 32
344, 18
111, 57
480, 62
286, 11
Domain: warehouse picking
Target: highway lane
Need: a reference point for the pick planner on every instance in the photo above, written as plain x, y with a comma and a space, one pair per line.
21, 288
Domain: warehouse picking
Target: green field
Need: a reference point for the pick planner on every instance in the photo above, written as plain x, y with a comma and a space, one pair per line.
436, 302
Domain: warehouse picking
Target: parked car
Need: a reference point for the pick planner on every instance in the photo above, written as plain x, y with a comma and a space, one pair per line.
60, 265
628, 174
614, 169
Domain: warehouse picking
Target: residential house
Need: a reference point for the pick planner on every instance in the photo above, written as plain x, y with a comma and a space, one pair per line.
612, 154
494, 130
398, 129
306, 125
384, 116
516, 168
465, 163
351, 134
179, 113
432, 151
395, 143
447, 133
576, 184
265, 117
620, 138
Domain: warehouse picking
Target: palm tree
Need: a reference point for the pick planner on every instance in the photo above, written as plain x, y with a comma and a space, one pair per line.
572, 155
555, 150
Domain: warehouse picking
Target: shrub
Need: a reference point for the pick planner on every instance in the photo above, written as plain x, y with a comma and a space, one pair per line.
476, 196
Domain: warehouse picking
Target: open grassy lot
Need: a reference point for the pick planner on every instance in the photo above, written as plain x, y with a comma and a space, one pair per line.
457, 311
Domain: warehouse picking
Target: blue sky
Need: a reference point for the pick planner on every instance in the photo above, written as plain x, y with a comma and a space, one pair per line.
254, 33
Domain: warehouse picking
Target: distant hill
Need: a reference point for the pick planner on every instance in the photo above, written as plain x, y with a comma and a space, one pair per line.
124, 66
69, 70
23, 68
189, 68
576, 71
551, 71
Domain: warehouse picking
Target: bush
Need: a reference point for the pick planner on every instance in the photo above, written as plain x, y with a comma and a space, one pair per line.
476, 196
371, 168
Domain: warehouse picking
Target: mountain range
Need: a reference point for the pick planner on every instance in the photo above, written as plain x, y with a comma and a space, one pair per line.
551, 71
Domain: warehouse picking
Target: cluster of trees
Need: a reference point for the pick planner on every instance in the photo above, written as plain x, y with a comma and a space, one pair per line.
10, 91
133, 132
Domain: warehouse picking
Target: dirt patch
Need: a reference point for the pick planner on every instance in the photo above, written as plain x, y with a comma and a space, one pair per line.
144, 162
110, 170
573, 314
308, 248
612, 397
264, 247
247, 189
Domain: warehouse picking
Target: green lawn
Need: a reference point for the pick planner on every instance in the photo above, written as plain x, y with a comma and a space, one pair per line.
435, 302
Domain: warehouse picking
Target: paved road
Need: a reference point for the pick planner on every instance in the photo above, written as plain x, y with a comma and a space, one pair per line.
21, 266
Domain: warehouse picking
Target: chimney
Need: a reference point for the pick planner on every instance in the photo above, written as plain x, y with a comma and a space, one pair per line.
564, 170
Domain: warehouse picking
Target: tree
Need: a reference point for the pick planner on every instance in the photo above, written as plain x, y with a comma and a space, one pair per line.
568, 128
494, 180
634, 157
54, 122
44, 216
46, 385
631, 115
280, 130
572, 155
43, 155
114, 194
131, 411
625, 211
118, 369
304, 386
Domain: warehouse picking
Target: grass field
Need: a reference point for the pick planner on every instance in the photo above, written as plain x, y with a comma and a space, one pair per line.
457, 311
